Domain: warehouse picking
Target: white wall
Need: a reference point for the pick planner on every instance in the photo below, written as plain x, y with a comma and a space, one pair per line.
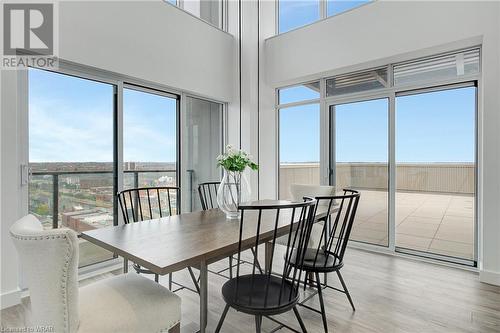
151, 40
383, 32
147, 40
9, 186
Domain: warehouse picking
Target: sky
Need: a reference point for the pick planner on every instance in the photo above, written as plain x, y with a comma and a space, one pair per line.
430, 127
296, 13
71, 119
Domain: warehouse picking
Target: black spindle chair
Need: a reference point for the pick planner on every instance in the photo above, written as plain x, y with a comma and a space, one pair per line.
328, 255
147, 203
268, 294
208, 195
208, 200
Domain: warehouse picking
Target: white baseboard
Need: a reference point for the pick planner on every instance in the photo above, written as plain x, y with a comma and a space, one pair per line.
489, 277
10, 298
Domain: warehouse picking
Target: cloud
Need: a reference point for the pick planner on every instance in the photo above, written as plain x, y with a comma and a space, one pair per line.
61, 130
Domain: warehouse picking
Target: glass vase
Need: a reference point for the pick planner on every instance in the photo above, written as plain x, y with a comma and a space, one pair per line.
233, 190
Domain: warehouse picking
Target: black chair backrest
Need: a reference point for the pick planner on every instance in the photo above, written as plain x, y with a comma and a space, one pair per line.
337, 227
296, 217
208, 195
147, 203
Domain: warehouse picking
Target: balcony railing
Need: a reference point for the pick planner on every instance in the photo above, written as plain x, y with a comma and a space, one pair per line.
456, 178
56, 175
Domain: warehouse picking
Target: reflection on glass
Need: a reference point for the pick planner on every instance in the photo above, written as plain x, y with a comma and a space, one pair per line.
202, 144
299, 141
361, 156
297, 13
435, 156
71, 155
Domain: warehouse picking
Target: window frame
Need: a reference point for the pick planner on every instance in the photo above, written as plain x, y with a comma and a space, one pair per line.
223, 10
119, 82
390, 93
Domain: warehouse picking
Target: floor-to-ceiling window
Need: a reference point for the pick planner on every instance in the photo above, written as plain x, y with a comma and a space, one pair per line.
405, 135
299, 137
91, 135
360, 160
435, 171
150, 141
71, 155
203, 140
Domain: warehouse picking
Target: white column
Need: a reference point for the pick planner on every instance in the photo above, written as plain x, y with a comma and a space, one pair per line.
10, 186
268, 127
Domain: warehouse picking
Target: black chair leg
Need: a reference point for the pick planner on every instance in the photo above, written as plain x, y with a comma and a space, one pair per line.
170, 281
221, 320
230, 267
346, 291
299, 319
195, 282
321, 303
258, 324
157, 278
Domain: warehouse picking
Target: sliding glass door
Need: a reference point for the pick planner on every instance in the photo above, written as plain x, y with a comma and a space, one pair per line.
90, 137
299, 140
359, 160
435, 171
149, 139
71, 155
202, 143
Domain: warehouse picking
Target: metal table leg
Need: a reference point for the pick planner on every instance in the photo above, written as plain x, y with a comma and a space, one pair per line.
203, 296
125, 265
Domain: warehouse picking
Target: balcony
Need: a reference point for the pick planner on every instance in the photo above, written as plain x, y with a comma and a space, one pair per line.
434, 203
83, 198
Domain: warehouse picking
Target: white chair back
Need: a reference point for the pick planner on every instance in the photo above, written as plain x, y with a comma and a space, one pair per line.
299, 191
49, 260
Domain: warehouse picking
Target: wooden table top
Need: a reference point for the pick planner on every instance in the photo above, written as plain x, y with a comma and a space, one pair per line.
172, 243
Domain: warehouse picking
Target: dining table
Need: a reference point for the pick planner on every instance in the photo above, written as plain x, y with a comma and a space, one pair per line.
195, 239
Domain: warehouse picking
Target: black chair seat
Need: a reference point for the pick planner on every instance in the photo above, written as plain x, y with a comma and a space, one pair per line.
248, 295
321, 263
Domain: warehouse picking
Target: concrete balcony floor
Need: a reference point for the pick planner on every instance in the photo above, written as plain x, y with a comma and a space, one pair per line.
436, 223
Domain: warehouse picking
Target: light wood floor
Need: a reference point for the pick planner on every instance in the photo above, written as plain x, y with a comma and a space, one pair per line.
391, 294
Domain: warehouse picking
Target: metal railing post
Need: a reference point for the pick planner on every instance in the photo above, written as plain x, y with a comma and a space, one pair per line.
190, 171
55, 201
136, 199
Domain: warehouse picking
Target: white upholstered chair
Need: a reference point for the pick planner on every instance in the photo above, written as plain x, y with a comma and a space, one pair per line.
124, 303
298, 192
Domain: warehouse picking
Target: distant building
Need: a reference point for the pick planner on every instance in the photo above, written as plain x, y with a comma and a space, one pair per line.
83, 220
